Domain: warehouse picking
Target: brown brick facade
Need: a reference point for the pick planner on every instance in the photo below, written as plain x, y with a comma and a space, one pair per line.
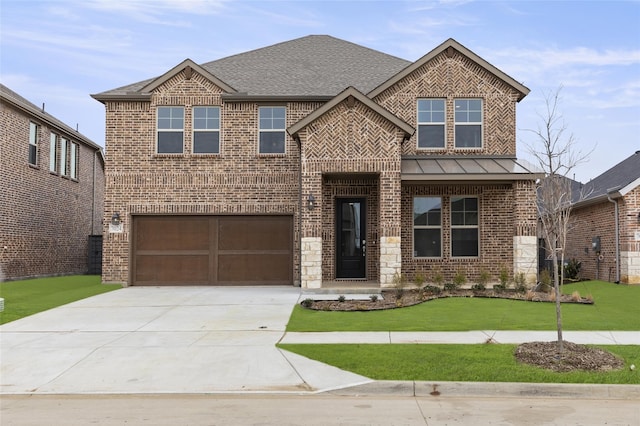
46, 218
353, 148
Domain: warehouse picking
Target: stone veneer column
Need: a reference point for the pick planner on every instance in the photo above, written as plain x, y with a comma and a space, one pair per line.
630, 267
311, 262
525, 257
390, 260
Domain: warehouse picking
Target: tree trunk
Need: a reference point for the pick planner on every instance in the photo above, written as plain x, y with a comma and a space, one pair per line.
556, 288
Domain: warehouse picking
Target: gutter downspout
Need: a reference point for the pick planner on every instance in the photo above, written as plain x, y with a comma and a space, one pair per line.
617, 239
299, 216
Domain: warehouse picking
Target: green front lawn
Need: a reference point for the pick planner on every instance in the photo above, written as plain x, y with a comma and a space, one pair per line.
460, 363
615, 308
27, 297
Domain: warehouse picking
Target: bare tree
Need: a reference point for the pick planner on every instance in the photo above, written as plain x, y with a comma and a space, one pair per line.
556, 155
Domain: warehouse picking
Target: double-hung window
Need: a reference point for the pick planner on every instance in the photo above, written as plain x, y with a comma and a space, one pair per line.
73, 161
431, 123
53, 153
63, 157
206, 130
170, 126
33, 144
427, 227
464, 227
272, 130
468, 123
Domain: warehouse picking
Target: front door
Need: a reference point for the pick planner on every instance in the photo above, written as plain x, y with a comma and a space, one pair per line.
351, 242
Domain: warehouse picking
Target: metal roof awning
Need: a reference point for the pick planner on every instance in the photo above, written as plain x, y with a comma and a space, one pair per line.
467, 168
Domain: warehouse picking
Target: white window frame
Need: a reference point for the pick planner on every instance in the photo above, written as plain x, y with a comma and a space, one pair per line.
428, 226
34, 129
206, 129
464, 226
272, 130
442, 123
73, 160
53, 153
64, 171
468, 123
170, 129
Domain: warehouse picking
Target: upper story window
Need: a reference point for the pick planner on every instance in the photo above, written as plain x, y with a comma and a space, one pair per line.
73, 161
272, 130
464, 227
170, 125
427, 227
206, 130
431, 123
33, 143
53, 153
468, 123
64, 171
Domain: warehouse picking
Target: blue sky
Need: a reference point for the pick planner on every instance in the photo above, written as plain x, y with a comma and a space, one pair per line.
58, 52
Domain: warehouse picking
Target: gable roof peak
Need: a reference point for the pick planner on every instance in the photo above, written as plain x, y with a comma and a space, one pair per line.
188, 66
448, 46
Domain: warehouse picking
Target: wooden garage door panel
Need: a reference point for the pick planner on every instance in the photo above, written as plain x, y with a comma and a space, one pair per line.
254, 233
255, 268
172, 269
167, 233
212, 250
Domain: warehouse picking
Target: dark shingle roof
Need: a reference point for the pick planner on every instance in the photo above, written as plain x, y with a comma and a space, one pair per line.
315, 65
617, 177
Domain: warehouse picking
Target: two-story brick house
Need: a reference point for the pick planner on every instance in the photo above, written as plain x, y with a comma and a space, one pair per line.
317, 161
605, 224
51, 192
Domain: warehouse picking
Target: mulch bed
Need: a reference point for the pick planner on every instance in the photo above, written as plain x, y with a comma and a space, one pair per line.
392, 299
573, 357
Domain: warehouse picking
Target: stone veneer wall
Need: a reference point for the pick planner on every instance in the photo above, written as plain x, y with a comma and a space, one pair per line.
46, 219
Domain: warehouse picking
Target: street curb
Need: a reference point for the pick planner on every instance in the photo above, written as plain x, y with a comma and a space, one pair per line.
491, 389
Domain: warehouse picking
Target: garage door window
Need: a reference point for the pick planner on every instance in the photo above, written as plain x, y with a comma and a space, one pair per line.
170, 130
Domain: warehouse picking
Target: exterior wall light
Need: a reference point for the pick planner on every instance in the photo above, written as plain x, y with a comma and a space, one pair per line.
115, 219
311, 202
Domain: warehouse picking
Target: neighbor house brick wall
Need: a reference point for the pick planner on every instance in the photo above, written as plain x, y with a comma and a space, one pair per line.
599, 220
238, 180
46, 218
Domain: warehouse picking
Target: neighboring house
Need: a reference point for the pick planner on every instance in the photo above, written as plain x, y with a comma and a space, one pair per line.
317, 162
605, 232
51, 192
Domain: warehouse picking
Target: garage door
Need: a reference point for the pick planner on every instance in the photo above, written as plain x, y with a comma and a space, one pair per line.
212, 250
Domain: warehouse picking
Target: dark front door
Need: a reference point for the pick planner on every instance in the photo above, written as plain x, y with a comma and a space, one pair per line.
351, 239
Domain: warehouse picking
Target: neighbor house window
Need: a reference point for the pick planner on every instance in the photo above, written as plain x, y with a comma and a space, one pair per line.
170, 130
33, 144
431, 120
53, 153
272, 130
206, 130
464, 227
73, 160
63, 157
468, 123
427, 227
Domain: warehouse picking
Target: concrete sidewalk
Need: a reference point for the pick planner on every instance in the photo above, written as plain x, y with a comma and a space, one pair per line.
465, 337
192, 340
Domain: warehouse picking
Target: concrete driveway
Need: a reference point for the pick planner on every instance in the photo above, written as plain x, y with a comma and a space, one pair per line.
163, 340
